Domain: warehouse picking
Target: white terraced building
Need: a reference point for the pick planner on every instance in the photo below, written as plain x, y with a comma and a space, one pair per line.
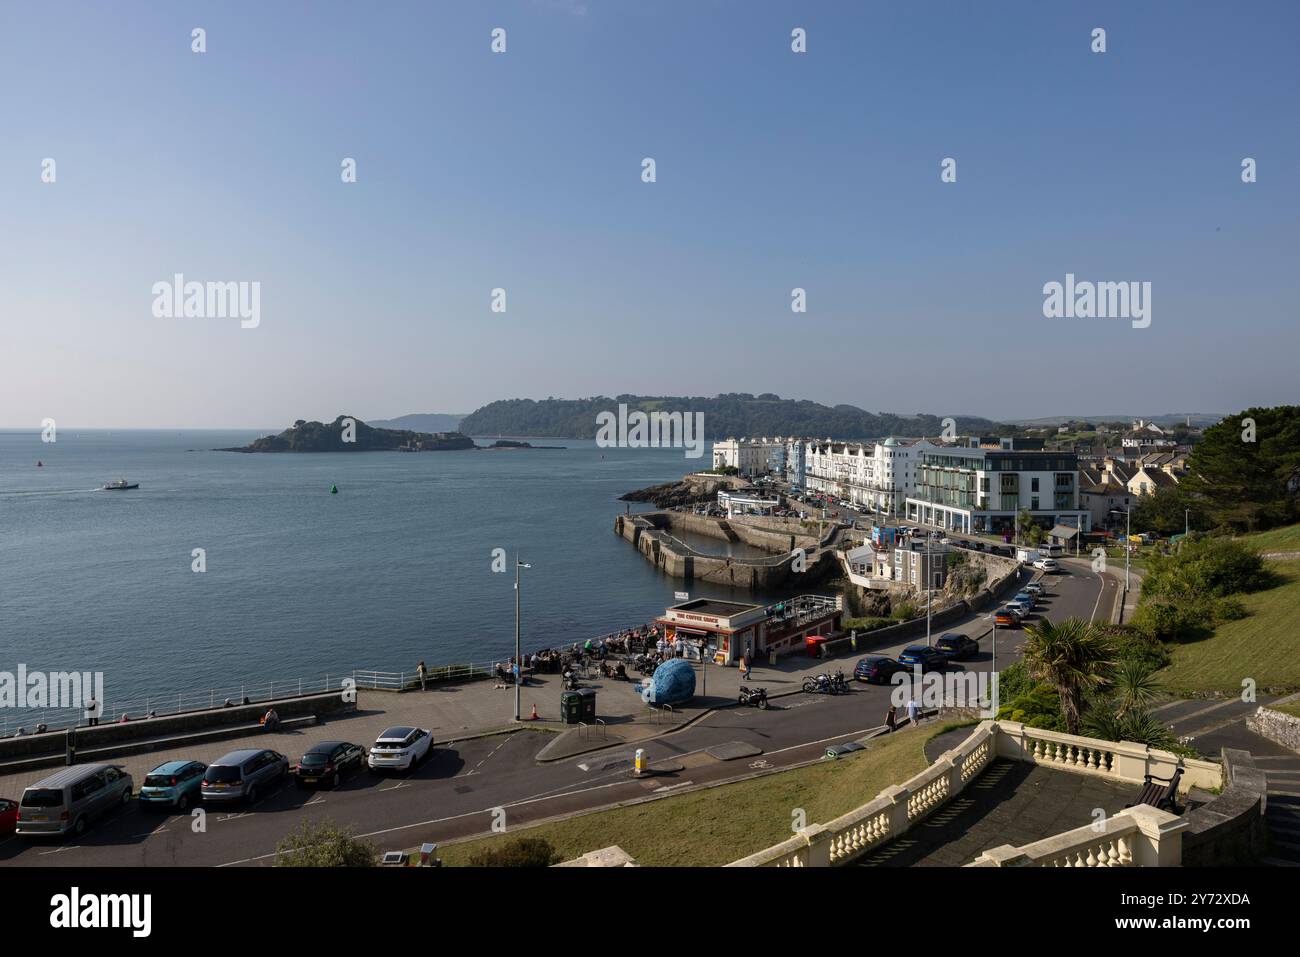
748, 456
878, 475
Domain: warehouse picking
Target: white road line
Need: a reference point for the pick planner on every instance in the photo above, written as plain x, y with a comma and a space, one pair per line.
672, 787
1100, 591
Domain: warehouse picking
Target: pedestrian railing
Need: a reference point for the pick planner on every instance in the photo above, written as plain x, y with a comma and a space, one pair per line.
1137, 837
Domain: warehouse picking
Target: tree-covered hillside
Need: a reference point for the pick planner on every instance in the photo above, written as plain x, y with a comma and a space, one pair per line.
733, 414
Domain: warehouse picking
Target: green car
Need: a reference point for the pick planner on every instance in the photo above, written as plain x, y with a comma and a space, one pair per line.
175, 784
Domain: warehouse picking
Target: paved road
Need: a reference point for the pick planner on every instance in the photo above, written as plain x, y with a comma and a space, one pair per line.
464, 785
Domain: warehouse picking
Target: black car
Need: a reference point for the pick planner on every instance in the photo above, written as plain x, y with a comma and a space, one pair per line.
956, 647
877, 669
328, 762
929, 659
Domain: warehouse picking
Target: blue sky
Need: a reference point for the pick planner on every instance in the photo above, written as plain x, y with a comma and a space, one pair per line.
522, 171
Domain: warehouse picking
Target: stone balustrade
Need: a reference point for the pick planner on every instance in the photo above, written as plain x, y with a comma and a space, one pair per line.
1136, 837
1139, 836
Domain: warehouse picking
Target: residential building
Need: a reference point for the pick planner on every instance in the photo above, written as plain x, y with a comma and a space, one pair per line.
879, 475
749, 457
1105, 498
981, 487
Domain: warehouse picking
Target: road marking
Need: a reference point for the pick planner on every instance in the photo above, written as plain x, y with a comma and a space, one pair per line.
396, 787
672, 787
314, 801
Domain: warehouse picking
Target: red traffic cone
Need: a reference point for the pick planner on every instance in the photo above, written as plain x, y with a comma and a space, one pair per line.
533, 716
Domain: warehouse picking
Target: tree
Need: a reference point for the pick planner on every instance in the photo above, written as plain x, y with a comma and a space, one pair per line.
1074, 657
1162, 511
1135, 687
1028, 531
1243, 474
324, 845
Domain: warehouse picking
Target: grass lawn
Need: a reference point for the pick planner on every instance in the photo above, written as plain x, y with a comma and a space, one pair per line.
1285, 539
737, 819
1292, 708
1265, 645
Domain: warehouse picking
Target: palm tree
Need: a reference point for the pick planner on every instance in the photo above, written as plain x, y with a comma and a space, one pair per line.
1135, 687
1074, 656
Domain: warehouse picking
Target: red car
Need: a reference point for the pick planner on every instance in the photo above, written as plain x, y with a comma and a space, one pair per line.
8, 816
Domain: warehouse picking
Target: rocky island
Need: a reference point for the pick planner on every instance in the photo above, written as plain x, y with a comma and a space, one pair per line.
349, 434
692, 490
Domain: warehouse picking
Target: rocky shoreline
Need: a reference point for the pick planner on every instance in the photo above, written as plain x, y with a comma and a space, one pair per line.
691, 490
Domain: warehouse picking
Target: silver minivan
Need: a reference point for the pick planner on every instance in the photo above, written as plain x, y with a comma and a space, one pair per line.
240, 775
69, 800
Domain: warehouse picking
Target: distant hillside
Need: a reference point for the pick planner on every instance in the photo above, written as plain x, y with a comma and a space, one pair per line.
422, 422
733, 414
1169, 418
306, 436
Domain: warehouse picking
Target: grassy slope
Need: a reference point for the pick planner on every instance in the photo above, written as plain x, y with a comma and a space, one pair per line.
718, 825
1264, 646
1285, 539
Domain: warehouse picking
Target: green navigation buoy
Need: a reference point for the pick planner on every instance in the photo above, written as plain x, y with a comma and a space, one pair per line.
334, 490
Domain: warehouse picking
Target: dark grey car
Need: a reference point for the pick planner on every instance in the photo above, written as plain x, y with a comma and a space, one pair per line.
242, 775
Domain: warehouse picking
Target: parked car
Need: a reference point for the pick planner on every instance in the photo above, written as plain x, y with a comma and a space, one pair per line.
1021, 608
400, 749
1035, 588
176, 784
68, 801
877, 669
241, 775
956, 647
1006, 618
1048, 565
1026, 599
8, 816
929, 659
328, 762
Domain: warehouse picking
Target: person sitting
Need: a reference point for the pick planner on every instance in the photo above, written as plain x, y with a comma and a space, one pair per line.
42, 728
620, 672
271, 720
228, 704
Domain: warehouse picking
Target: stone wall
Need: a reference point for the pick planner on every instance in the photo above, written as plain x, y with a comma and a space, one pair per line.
1230, 830
1277, 726
174, 725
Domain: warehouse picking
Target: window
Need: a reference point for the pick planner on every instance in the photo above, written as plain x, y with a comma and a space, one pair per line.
1033, 485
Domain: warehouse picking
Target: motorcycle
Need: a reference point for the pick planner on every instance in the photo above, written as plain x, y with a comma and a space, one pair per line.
754, 696
826, 684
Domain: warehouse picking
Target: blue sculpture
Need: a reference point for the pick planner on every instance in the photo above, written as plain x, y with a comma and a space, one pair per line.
672, 682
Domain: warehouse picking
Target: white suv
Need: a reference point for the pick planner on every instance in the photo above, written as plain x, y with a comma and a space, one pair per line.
1047, 565
400, 749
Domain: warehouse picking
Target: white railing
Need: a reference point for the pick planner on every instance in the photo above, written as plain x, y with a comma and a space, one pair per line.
1140, 836
886, 817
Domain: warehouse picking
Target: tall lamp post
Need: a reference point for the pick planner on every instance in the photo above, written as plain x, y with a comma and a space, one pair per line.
519, 661
1128, 531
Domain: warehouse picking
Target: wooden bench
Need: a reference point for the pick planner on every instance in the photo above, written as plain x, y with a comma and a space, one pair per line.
1160, 793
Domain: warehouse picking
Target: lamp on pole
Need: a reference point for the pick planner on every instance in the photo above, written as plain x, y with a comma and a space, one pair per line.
519, 661
1128, 531
1187, 521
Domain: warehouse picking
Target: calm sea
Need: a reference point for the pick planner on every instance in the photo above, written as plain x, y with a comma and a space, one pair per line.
300, 582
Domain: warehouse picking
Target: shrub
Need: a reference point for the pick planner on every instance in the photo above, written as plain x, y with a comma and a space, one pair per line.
521, 852
323, 845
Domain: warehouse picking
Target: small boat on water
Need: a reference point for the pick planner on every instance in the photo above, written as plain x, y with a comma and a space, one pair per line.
120, 485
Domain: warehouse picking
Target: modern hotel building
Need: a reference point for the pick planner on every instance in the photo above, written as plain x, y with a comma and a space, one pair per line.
983, 486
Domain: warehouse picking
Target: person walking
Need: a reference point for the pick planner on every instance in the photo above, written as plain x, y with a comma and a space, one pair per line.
749, 665
744, 669
913, 711
891, 717
419, 670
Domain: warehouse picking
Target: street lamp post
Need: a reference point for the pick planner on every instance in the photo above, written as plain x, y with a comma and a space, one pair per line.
1128, 545
1187, 521
519, 661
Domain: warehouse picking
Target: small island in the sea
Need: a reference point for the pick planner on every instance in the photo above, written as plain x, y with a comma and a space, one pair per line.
349, 434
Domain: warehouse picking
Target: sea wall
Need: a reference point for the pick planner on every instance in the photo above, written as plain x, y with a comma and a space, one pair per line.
1278, 726
651, 534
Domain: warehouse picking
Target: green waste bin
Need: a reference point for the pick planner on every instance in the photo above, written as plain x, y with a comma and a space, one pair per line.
570, 707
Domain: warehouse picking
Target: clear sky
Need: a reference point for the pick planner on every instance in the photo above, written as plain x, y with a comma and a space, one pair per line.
522, 170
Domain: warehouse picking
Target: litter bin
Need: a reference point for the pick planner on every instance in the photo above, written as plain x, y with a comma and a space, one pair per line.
570, 707
587, 704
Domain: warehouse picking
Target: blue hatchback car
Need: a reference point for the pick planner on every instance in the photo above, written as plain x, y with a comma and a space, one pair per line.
175, 784
930, 659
